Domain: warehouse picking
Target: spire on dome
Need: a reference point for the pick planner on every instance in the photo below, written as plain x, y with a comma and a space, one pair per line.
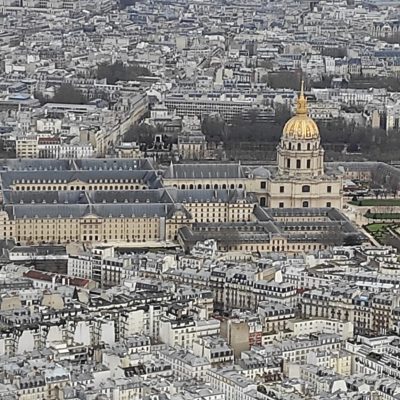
301, 126
301, 101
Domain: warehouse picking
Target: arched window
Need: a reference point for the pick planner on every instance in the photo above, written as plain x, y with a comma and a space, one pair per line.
305, 204
305, 189
298, 146
290, 146
308, 146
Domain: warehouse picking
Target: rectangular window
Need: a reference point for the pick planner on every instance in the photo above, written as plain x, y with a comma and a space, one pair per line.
298, 164
308, 163
288, 163
282, 189
329, 204
263, 185
281, 205
329, 188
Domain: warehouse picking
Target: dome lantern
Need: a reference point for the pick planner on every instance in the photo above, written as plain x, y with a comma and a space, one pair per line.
301, 126
302, 102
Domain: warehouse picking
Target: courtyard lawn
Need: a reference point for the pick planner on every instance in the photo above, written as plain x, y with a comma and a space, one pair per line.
376, 202
373, 228
383, 215
385, 236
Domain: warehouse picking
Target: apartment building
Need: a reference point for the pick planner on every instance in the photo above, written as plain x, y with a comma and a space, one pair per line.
373, 314
228, 106
184, 331
27, 147
234, 385
274, 316
80, 266
214, 348
186, 364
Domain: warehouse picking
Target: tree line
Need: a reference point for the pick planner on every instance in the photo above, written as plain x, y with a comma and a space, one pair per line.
372, 144
66, 94
120, 72
69, 94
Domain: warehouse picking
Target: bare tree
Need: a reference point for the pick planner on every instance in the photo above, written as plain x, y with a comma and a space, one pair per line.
394, 184
332, 238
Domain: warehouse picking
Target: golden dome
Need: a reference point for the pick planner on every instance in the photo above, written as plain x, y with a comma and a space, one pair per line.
301, 126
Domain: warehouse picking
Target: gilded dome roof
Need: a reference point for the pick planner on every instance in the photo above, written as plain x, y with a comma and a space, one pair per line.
301, 126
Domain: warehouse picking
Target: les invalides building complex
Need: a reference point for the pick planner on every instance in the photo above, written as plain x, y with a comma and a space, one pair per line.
292, 206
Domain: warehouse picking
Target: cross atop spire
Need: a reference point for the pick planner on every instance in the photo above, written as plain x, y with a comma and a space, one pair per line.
302, 101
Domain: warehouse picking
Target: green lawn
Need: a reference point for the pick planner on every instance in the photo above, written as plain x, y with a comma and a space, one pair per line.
373, 228
376, 202
383, 215
381, 233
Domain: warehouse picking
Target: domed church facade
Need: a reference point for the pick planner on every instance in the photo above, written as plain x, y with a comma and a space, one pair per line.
300, 179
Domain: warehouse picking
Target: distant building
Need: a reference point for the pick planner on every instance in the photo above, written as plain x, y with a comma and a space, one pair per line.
128, 150
192, 146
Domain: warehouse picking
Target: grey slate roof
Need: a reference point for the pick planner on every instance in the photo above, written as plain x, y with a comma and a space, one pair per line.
45, 211
203, 171
261, 172
130, 196
82, 164
34, 164
266, 227
44, 197
230, 232
13, 177
101, 210
170, 195
114, 164
207, 195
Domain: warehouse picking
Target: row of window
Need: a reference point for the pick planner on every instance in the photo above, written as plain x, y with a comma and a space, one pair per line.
117, 187
308, 147
293, 247
298, 163
304, 189
305, 204
307, 189
208, 186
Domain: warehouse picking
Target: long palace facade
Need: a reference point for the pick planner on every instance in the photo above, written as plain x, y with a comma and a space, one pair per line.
128, 201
